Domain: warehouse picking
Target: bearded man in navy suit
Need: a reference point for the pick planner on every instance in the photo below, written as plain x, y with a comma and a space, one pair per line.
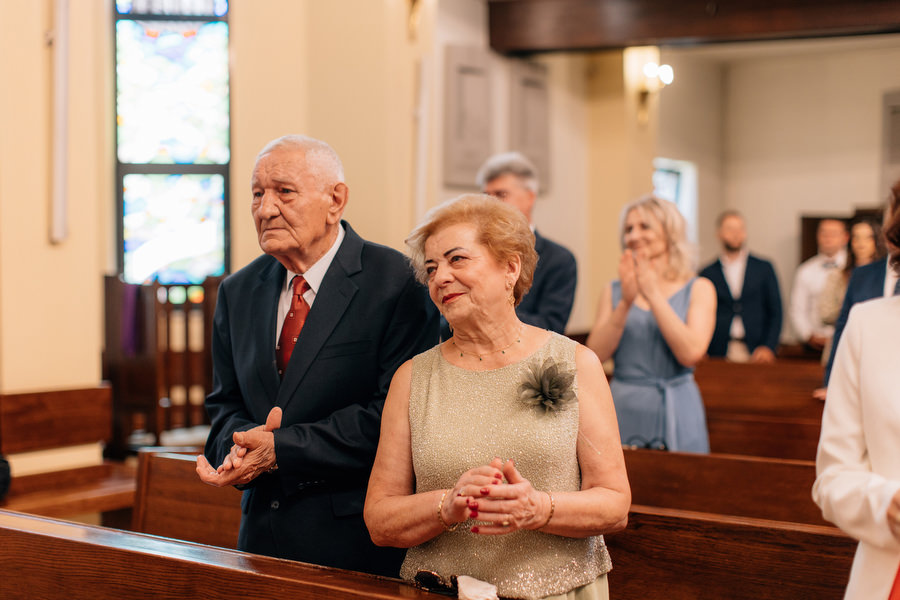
748, 308
298, 433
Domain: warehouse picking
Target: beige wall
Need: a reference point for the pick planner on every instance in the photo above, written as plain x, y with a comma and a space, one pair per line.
691, 120
50, 295
269, 97
564, 212
803, 136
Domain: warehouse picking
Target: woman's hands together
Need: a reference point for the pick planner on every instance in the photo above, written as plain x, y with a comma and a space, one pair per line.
637, 276
628, 277
499, 507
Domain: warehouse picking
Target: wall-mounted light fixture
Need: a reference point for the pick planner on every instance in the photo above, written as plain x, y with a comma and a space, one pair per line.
655, 78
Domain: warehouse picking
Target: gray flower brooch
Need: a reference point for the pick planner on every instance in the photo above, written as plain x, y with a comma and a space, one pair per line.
547, 387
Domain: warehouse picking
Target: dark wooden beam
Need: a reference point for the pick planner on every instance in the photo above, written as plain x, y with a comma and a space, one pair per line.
526, 26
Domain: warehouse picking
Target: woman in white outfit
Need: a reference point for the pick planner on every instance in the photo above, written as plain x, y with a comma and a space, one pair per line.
858, 462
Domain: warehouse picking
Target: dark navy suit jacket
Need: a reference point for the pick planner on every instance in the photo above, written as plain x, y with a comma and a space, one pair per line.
549, 301
759, 306
866, 282
369, 316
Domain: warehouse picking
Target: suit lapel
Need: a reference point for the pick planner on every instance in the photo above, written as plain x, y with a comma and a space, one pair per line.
538, 242
262, 319
721, 282
749, 277
334, 296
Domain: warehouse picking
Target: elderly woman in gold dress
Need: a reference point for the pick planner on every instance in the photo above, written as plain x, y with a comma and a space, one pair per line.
500, 457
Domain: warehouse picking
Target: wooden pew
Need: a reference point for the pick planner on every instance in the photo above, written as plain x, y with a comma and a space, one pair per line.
782, 389
742, 486
673, 554
171, 501
64, 427
772, 437
762, 410
106, 489
49, 559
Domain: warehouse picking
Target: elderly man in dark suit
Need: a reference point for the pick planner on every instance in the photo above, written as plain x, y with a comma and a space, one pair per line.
749, 311
305, 341
512, 178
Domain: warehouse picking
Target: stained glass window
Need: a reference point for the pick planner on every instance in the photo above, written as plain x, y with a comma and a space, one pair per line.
172, 139
172, 92
173, 227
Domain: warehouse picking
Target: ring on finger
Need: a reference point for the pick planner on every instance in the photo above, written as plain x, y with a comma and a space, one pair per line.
505, 523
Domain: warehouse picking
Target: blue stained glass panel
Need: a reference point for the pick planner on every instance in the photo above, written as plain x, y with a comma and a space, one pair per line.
174, 227
172, 92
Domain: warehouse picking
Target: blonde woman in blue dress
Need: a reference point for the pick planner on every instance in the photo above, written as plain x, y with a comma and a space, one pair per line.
499, 456
656, 322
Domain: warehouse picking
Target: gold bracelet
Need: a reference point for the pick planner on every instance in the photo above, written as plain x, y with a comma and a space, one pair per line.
552, 510
441, 517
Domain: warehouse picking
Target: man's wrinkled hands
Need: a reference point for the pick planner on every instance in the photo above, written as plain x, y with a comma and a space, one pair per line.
252, 454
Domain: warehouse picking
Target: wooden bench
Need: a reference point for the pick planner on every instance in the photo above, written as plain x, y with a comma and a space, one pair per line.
674, 554
772, 437
781, 389
49, 559
172, 502
742, 486
762, 410
59, 425
107, 489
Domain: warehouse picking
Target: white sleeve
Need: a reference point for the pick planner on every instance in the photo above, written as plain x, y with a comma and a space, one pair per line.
850, 495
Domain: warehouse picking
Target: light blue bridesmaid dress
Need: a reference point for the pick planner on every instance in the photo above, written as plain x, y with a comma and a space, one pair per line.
657, 401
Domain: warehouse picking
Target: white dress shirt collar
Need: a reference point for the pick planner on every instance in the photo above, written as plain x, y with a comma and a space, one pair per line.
316, 273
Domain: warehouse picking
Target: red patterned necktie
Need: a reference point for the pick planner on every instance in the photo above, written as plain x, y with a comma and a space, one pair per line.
293, 323
895, 591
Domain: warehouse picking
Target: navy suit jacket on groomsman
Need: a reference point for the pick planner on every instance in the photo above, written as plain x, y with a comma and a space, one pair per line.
759, 306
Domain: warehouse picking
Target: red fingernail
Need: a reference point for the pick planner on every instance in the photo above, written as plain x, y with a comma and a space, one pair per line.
485, 491
474, 529
474, 514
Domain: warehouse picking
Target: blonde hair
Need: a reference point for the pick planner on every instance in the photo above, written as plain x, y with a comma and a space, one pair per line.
682, 261
504, 230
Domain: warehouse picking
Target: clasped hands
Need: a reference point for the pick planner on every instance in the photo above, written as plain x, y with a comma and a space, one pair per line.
252, 454
637, 276
498, 507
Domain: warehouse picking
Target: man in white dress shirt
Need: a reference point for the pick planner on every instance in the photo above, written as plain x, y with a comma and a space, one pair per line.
831, 238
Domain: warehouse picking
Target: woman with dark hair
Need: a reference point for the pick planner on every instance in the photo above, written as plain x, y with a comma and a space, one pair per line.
857, 466
866, 246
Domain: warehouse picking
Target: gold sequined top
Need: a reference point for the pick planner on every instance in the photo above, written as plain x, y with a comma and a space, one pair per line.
460, 419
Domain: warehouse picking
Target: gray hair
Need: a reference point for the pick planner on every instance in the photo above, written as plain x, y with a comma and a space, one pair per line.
321, 157
508, 163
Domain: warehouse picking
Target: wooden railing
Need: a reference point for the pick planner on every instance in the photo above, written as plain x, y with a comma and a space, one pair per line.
157, 356
49, 559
